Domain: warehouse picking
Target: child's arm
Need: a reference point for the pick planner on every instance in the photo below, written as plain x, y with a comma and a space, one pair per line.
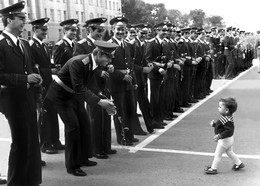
228, 130
212, 123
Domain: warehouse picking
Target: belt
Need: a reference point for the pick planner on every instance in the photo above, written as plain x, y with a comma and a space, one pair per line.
68, 89
159, 64
124, 71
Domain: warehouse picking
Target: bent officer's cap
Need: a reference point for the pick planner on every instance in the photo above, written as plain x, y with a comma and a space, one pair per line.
98, 22
119, 21
15, 9
40, 23
106, 47
162, 25
70, 23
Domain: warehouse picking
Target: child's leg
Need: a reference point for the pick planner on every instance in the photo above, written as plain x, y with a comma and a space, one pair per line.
233, 156
218, 154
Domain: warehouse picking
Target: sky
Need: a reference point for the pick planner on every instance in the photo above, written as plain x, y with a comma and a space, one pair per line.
241, 14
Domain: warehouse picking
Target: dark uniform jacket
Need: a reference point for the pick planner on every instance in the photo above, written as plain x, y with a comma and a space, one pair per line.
14, 68
84, 46
41, 57
121, 61
75, 74
138, 55
228, 42
62, 52
154, 52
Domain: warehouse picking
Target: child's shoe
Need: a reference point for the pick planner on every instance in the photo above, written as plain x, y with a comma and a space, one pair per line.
209, 170
238, 167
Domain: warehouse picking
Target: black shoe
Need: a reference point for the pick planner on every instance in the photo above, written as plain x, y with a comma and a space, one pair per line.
168, 118
150, 130
112, 151
49, 150
89, 163
178, 110
158, 126
126, 143
163, 123
134, 140
77, 172
2, 181
141, 133
101, 156
43, 163
173, 115
238, 167
186, 105
59, 146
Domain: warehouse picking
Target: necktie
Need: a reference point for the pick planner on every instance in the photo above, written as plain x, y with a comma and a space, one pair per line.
44, 47
19, 45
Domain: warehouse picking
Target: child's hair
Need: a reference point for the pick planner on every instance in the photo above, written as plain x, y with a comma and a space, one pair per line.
230, 103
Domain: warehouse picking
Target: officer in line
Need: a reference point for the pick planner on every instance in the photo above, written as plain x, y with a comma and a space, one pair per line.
95, 28
100, 121
123, 85
49, 126
154, 55
17, 82
142, 69
69, 91
63, 49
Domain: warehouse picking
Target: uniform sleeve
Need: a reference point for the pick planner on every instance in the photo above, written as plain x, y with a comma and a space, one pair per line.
77, 79
149, 56
78, 49
57, 52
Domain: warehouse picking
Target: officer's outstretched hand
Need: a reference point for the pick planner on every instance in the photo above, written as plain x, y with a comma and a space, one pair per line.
34, 79
147, 69
128, 78
162, 71
110, 68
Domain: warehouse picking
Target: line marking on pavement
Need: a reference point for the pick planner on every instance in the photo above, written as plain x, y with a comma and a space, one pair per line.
158, 133
6, 140
256, 157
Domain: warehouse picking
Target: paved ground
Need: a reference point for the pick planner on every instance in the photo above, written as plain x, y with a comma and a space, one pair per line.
178, 154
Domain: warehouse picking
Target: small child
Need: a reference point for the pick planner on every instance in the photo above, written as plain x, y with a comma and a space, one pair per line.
224, 129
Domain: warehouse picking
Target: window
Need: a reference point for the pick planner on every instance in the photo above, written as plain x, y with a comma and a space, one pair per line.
52, 15
76, 1
64, 1
97, 14
64, 15
101, 3
113, 5
105, 4
117, 6
81, 2
59, 15
82, 16
97, 3
45, 12
90, 2
58, 0
91, 15
109, 5
77, 14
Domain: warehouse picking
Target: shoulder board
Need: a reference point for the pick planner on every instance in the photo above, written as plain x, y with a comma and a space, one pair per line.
180, 40
24, 39
31, 42
82, 41
151, 40
59, 42
1, 37
110, 41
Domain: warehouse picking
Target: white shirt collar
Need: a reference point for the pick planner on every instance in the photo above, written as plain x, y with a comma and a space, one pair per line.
141, 42
91, 39
118, 41
68, 40
38, 40
160, 40
94, 62
14, 39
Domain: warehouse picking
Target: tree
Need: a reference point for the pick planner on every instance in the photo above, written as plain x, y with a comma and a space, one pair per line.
215, 21
197, 16
174, 15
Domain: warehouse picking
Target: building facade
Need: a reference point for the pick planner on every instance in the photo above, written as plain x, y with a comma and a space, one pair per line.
60, 10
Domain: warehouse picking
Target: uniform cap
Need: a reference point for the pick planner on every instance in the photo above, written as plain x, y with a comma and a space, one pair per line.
229, 28
213, 28
69, 23
95, 22
105, 46
119, 21
40, 23
15, 9
185, 30
161, 25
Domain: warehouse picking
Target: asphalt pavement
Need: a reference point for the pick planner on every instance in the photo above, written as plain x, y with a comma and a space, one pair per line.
176, 155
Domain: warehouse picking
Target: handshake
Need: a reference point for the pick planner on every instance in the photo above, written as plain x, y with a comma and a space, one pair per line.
108, 105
